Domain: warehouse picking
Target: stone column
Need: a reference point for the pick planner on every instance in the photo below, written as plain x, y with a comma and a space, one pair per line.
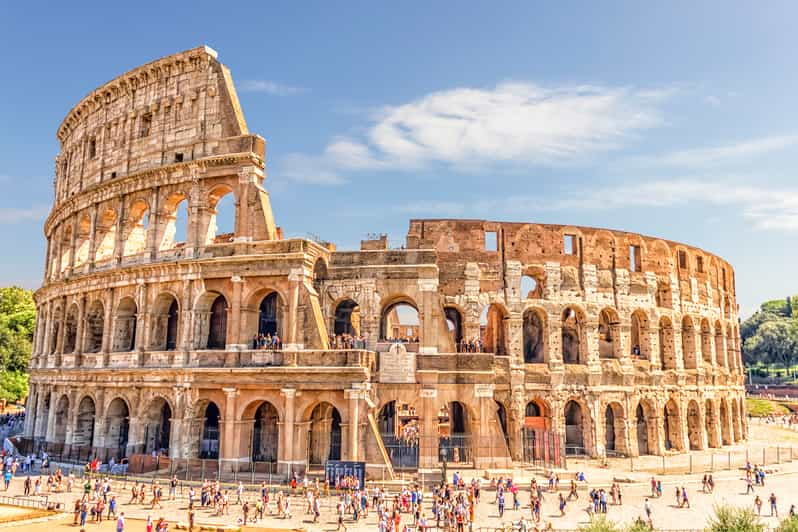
152, 225
248, 178
142, 318
186, 330
428, 449
108, 310
355, 395
235, 339
295, 278
40, 423
514, 332
119, 241
59, 347
30, 411
428, 315
92, 239
287, 450
229, 443
81, 328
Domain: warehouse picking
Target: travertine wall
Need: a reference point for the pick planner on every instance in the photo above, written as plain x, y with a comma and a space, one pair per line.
622, 342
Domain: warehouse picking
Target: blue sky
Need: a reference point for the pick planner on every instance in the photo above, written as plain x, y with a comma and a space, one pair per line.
675, 119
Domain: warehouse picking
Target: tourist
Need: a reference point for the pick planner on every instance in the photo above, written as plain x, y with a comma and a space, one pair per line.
773, 509
120, 522
647, 506
685, 500
758, 505
562, 505
173, 488
749, 485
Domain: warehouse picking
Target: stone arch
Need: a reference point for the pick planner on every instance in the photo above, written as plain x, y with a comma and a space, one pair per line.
271, 312
531, 287
209, 436
56, 316
211, 321
725, 429
711, 424
736, 422
324, 438
220, 202
574, 339
615, 429
399, 427
117, 427
706, 343
83, 435
695, 428
136, 226
577, 427
61, 418
165, 322
454, 432
640, 343
94, 327
400, 320
260, 433
720, 353
672, 426
646, 429
83, 241
71, 329
66, 248
491, 328
535, 335
105, 235
609, 334
689, 356
731, 358
454, 324
173, 222
157, 421
320, 275
347, 318
667, 353
125, 325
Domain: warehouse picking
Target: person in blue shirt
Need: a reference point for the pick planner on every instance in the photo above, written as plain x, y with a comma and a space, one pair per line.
7, 477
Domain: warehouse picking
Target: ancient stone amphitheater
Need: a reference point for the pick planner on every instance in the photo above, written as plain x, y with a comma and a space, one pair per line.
476, 342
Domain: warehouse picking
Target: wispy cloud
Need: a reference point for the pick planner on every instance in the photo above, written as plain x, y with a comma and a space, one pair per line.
11, 215
720, 155
765, 208
269, 87
516, 123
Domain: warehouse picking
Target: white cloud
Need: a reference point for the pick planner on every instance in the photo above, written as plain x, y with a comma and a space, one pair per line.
269, 87
11, 215
511, 124
308, 170
712, 100
720, 155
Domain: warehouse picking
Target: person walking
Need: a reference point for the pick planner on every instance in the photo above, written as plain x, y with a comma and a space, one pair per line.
120, 522
749, 485
647, 506
758, 505
773, 508
685, 500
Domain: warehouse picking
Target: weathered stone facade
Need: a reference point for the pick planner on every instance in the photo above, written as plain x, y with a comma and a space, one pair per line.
621, 342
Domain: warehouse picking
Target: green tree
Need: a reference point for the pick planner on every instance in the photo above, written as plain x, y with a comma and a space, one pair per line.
731, 519
17, 326
775, 342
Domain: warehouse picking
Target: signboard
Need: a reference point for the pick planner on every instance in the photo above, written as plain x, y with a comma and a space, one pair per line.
336, 470
397, 366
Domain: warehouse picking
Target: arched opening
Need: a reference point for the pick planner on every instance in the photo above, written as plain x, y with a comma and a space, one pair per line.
105, 236
711, 424
324, 441
217, 327
534, 337
641, 423
501, 415
66, 248
608, 333
736, 431
347, 318
165, 318
572, 348
491, 329
209, 442
319, 276
174, 222
399, 322
125, 325
454, 324
61, 418
135, 235
84, 424
575, 427
688, 344
71, 329
615, 430
221, 216
399, 427
83, 241
725, 430
666, 351
158, 428
639, 335
672, 424
117, 424
265, 434
55, 328
537, 442
731, 358
454, 433
706, 343
95, 325
269, 314
694, 426
530, 288
720, 353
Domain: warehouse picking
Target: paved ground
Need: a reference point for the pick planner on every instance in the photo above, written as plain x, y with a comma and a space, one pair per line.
730, 489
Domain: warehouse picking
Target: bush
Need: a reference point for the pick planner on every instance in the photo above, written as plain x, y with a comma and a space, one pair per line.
600, 524
763, 407
731, 519
788, 525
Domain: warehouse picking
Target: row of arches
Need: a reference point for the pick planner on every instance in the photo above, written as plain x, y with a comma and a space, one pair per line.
98, 238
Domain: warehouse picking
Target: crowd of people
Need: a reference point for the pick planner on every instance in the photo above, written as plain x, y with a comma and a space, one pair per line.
347, 341
267, 341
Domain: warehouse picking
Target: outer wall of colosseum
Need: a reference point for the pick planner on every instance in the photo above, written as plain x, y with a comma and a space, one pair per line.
616, 342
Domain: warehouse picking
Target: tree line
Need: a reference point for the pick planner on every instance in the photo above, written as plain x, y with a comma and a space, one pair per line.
17, 326
770, 336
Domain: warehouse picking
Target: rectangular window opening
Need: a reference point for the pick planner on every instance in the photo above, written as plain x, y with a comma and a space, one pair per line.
178, 157
491, 241
146, 123
699, 264
92, 148
635, 259
569, 244
682, 260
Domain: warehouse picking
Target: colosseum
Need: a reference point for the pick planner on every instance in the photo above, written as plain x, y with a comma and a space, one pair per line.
481, 343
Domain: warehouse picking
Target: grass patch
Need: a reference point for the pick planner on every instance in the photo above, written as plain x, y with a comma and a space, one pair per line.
764, 407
